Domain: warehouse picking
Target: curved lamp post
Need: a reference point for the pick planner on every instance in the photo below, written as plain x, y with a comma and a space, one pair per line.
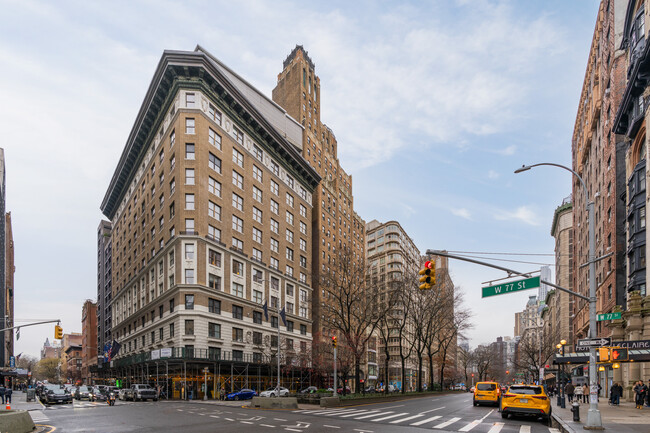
560, 395
593, 415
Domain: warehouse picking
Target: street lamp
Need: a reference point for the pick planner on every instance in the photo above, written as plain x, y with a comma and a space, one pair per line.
561, 402
594, 420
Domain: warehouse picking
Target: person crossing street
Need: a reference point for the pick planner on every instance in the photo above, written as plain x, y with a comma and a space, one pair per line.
640, 391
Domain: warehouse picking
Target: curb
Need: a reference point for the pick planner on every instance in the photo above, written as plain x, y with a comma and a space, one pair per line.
564, 427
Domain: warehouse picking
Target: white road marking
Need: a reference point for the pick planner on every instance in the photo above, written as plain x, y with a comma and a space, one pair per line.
229, 419
347, 415
406, 419
291, 429
214, 416
496, 428
424, 421
245, 422
471, 425
363, 431
553, 430
487, 415
446, 423
389, 417
267, 425
279, 419
330, 426
391, 407
38, 416
432, 410
524, 429
371, 415
342, 412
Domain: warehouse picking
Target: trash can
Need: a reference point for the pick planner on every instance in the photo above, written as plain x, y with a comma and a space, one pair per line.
31, 394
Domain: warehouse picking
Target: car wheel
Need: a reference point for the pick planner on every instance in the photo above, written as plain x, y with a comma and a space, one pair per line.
475, 403
504, 415
236, 398
272, 395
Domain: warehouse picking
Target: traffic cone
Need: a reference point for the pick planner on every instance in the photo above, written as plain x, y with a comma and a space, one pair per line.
8, 406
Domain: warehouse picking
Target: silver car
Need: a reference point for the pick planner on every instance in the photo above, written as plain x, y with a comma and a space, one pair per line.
274, 392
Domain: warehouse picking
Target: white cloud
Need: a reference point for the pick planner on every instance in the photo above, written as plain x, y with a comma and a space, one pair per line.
463, 213
493, 174
523, 213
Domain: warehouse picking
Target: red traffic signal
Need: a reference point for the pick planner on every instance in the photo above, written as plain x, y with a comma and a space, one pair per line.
547, 366
620, 355
334, 341
428, 278
428, 264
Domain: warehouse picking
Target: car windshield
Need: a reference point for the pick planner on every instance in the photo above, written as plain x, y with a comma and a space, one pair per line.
84, 389
528, 390
143, 387
58, 391
246, 390
486, 386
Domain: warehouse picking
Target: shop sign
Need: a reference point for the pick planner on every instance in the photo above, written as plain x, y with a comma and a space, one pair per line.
155, 354
166, 353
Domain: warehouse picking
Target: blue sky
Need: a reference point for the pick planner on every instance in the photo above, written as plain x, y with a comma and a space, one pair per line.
434, 104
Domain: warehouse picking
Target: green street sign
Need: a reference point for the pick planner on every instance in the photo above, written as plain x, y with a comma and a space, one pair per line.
511, 287
609, 316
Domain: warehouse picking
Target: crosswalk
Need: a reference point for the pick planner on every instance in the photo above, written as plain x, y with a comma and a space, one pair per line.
38, 416
436, 422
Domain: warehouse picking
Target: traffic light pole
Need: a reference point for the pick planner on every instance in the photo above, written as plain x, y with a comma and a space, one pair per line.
30, 324
335, 371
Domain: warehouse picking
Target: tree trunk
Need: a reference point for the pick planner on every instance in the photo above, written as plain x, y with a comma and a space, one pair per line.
419, 373
403, 374
386, 373
357, 373
431, 371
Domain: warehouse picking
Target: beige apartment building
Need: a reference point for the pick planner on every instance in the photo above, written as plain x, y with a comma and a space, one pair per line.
336, 226
211, 208
561, 302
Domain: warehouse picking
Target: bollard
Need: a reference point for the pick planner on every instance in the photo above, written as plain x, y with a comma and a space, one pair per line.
576, 411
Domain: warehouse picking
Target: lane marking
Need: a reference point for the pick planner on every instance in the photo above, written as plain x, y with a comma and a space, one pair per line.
279, 419
389, 417
342, 412
371, 415
471, 425
524, 429
424, 421
406, 419
488, 414
391, 407
229, 419
214, 416
432, 410
363, 431
245, 422
496, 428
446, 423
292, 429
330, 426
347, 415
267, 425
553, 430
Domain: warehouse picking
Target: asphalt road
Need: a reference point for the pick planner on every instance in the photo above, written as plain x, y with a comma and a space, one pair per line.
445, 413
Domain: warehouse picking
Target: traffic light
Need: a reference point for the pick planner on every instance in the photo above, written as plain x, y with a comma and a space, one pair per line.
58, 332
620, 354
334, 341
507, 371
603, 354
428, 278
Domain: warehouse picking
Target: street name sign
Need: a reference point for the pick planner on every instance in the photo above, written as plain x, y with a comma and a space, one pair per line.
629, 344
594, 342
511, 287
609, 316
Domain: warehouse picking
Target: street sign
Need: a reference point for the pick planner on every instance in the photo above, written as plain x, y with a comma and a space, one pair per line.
609, 316
630, 344
511, 287
594, 342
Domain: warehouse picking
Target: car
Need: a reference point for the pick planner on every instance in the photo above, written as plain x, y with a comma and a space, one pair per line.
370, 390
347, 390
242, 394
391, 388
121, 394
46, 387
528, 400
309, 390
273, 392
487, 392
56, 395
82, 392
98, 394
472, 389
141, 392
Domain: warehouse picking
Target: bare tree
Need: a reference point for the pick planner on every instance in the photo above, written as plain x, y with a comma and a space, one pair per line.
485, 357
466, 361
534, 350
456, 321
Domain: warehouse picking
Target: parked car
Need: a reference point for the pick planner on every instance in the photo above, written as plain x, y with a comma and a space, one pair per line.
43, 388
274, 392
347, 390
141, 392
391, 388
526, 400
487, 392
98, 394
370, 390
309, 390
242, 394
82, 392
121, 394
56, 395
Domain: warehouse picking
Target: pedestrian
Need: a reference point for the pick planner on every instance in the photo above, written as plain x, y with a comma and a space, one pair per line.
569, 389
2, 393
585, 393
647, 393
8, 393
617, 392
639, 394
578, 393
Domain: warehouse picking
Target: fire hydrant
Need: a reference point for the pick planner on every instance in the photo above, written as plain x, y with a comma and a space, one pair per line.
575, 408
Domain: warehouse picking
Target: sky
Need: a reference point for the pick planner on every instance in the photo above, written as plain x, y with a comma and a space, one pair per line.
434, 104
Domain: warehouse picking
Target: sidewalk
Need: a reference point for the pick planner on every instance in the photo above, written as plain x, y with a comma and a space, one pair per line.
624, 418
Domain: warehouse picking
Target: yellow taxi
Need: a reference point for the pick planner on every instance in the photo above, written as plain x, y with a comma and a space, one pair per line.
526, 400
487, 392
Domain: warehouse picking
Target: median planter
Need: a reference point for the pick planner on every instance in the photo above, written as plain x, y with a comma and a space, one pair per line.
330, 402
16, 421
275, 402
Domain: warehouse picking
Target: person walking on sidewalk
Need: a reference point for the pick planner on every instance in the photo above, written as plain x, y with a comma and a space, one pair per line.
568, 389
8, 393
617, 392
2, 393
585, 393
578, 393
640, 391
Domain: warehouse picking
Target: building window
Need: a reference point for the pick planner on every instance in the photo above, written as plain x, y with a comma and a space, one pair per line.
189, 276
275, 168
214, 138
214, 353
172, 187
237, 336
189, 201
274, 245
289, 271
189, 151
237, 312
289, 200
642, 217
189, 327
303, 329
289, 236
237, 224
257, 337
214, 186
303, 228
237, 202
275, 207
303, 277
214, 258
237, 180
189, 351
189, 225
189, 251
238, 157
189, 126
275, 264
160, 312
238, 290
214, 281
274, 340
257, 173
238, 355
303, 261
303, 312
171, 305
257, 194
303, 245
238, 244
257, 296
257, 215
189, 176
274, 322
257, 255
289, 217
214, 306
275, 226
214, 330
303, 211
257, 317
289, 254
189, 302
190, 99
161, 334
289, 322
214, 210
239, 136
214, 233
172, 139
257, 152
237, 268
171, 330
275, 188
214, 163
257, 275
